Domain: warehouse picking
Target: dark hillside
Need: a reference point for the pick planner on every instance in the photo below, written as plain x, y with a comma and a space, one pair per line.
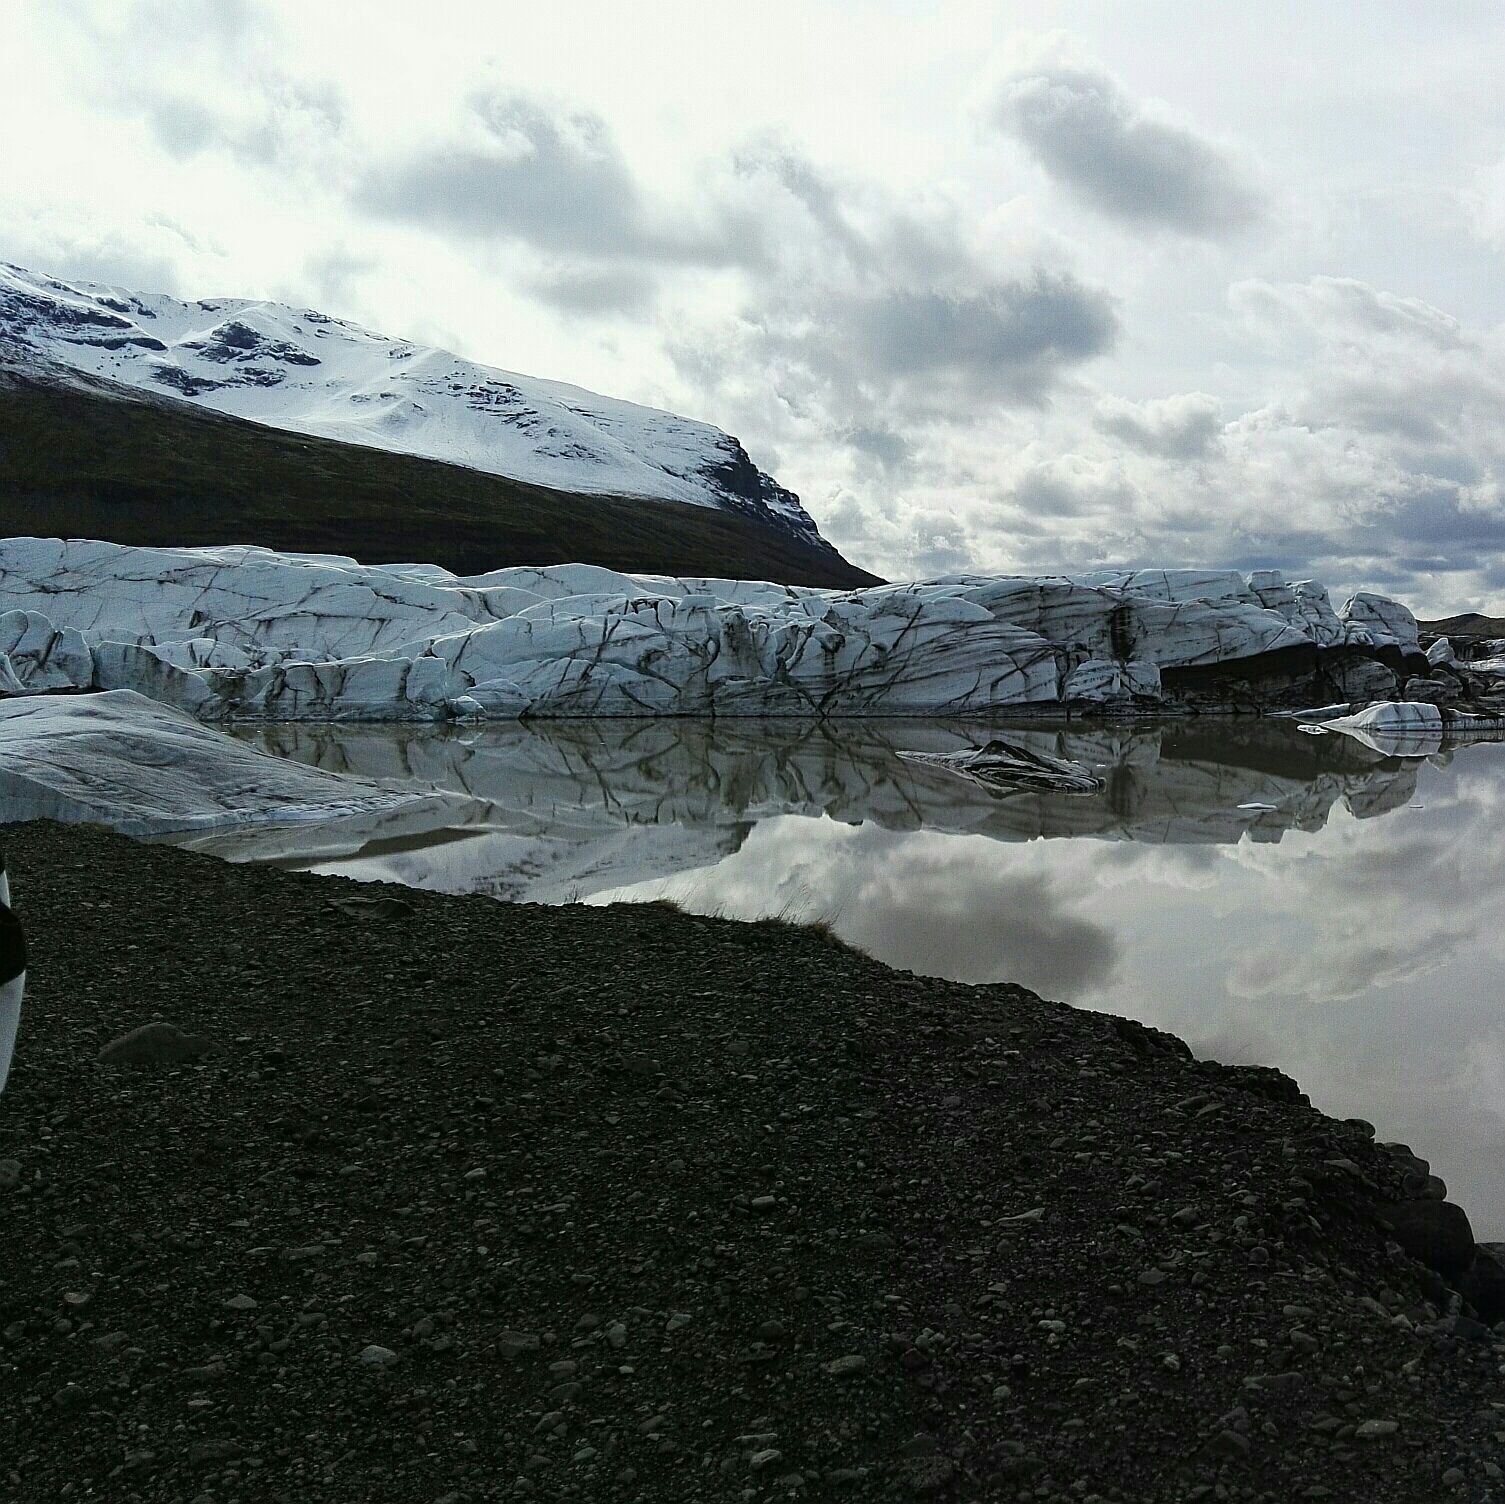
82, 462
1466, 624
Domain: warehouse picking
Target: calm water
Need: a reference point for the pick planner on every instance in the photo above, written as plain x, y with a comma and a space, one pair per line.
1269, 896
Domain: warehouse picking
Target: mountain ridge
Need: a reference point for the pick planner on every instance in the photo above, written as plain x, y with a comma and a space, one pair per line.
569, 475
82, 459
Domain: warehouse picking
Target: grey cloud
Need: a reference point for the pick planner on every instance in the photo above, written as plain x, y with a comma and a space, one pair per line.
333, 275
553, 180
1013, 334
1097, 143
1341, 306
866, 360
815, 192
597, 290
954, 914
276, 118
1062, 488
1183, 427
219, 87
883, 445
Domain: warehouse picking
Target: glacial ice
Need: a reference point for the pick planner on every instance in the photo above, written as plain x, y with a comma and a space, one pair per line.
245, 633
122, 760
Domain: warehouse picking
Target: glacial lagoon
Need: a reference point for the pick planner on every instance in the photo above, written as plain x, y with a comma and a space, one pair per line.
1270, 896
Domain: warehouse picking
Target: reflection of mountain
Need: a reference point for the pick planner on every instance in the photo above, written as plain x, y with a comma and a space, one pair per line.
575, 807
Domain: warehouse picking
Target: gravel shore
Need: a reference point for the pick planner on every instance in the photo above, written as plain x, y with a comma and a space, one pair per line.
457, 1200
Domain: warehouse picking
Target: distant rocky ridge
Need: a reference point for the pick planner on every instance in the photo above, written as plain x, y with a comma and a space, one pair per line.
244, 633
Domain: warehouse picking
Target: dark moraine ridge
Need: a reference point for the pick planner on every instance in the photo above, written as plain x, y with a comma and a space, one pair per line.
83, 460
626, 1204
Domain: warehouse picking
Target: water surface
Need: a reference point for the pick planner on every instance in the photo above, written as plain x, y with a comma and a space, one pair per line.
1269, 896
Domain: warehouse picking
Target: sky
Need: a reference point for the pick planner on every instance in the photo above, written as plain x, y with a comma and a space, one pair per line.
1023, 288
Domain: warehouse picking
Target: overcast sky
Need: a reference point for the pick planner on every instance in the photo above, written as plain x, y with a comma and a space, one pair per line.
1021, 287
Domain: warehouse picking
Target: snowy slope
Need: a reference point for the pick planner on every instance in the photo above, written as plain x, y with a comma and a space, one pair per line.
303, 371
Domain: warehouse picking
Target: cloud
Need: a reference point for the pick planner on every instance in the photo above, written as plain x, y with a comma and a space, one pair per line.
551, 178
220, 88
1011, 335
1106, 150
596, 291
1373, 458
1343, 309
271, 123
1182, 427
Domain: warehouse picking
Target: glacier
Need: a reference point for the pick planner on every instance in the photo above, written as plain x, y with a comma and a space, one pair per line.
121, 760
306, 372
245, 633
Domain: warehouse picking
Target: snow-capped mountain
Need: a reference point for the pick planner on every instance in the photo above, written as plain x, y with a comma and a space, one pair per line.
308, 373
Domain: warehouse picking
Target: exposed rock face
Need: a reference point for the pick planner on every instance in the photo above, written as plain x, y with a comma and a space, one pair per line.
1436, 1232
246, 633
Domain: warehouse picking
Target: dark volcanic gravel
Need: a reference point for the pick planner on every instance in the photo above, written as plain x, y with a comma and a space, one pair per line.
477, 1201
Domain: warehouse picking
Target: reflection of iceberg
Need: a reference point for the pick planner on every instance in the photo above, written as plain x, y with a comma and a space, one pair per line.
1005, 767
573, 808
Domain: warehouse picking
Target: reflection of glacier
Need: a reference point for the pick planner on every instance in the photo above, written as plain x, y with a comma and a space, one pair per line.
573, 808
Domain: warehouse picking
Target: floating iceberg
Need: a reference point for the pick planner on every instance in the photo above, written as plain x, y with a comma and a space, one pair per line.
245, 633
1411, 728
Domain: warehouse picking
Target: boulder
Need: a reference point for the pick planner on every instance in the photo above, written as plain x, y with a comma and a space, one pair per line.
1437, 1233
156, 1043
1482, 1284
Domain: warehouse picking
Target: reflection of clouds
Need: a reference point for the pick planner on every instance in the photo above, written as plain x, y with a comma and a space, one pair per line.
1384, 902
1193, 868
960, 907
